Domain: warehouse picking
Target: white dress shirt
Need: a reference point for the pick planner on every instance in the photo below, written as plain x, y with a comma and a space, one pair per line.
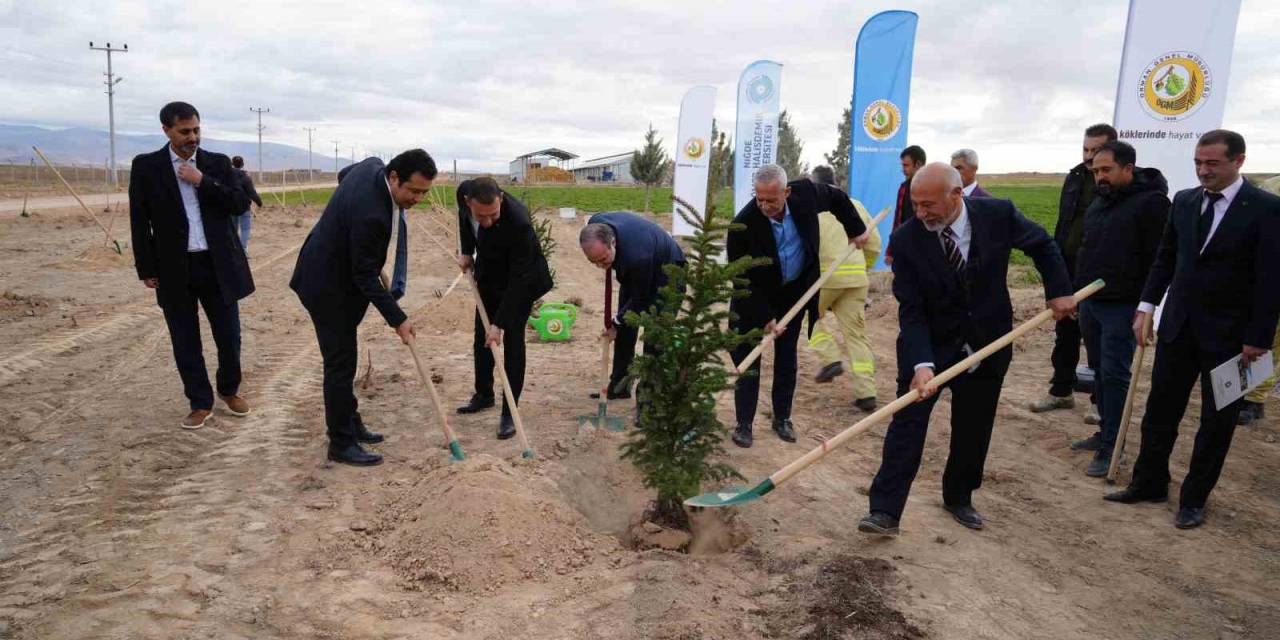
1219, 212
964, 237
968, 191
195, 222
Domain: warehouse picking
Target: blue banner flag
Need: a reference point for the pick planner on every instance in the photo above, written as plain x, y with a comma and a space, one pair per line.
881, 95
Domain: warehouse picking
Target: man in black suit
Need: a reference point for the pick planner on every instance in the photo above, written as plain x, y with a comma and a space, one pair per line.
781, 224
1217, 260
182, 203
950, 282
636, 250
911, 158
499, 243
338, 275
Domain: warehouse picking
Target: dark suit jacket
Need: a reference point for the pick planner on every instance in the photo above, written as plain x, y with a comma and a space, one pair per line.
938, 312
643, 249
979, 192
508, 259
159, 226
1229, 296
340, 261
246, 185
765, 300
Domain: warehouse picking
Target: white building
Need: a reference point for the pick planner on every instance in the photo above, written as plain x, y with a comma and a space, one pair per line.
552, 157
614, 169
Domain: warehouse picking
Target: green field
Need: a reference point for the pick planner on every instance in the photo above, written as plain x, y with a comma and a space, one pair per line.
1038, 201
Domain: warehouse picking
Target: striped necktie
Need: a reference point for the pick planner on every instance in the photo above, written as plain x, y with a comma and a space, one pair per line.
952, 249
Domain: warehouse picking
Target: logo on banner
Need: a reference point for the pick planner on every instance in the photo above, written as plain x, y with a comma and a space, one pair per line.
694, 148
881, 120
1174, 86
760, 89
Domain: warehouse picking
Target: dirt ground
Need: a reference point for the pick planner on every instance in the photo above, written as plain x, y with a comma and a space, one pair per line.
117, 524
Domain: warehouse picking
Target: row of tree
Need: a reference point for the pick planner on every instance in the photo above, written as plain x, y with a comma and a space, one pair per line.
651, 166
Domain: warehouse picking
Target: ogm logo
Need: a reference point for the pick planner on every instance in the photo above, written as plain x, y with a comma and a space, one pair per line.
1174, 86
881, 120
694, 148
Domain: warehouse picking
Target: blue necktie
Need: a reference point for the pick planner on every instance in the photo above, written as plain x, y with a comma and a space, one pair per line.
400, 273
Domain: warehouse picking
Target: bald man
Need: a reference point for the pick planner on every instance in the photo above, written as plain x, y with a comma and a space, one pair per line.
949, 279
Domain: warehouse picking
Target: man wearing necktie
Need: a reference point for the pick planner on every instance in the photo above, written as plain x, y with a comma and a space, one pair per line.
337, 278
497, 240
1217, 259
780, 223
182, 204
949, 277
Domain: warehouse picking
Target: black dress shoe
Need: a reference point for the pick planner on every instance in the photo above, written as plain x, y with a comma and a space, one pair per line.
785, 430
614, 394
1092, 443
829, 372
506, 428
363, 434
866, 404
353, 455
1129, 495
1189, 517
742, 436
879, 523
965, 515
476, 404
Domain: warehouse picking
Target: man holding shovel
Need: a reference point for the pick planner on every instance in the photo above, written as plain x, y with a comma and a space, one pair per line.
949, 277
500, 245
636, 249
337, 278
780, 223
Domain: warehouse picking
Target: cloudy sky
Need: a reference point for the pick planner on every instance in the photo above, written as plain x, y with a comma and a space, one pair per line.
482, 81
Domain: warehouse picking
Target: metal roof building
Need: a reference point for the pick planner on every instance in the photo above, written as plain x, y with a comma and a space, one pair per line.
550, 157
614, 169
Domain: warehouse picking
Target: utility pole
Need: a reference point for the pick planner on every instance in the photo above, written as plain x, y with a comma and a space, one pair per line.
335, 159
111, 83
259, 112
311, 174
353, 154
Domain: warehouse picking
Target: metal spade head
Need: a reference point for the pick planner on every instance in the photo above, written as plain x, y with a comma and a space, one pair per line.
729, 496
455, 452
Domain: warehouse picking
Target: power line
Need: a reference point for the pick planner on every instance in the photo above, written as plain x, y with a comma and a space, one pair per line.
336, 154
259, 112
111, 83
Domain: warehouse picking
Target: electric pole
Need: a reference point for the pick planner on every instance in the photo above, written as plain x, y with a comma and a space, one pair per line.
311, 175
259, 112
111, 83
353, 154
336, 155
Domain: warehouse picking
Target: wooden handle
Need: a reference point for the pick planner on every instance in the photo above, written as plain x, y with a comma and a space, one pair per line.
783, 474
1134, 374
73, 192
499, 366
799, 306
449, 435
423, 229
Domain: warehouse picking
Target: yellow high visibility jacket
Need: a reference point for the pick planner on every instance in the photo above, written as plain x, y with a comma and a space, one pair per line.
834, 243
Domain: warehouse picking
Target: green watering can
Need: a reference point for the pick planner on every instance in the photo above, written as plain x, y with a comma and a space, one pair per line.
553, 321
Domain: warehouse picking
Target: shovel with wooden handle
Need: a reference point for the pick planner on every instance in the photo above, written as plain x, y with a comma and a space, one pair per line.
739, 495
115, 243
601, 417
1118, 450
800, 304
500, 367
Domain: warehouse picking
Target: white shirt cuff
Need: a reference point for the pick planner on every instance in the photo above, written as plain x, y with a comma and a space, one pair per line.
923, 365
1146, 307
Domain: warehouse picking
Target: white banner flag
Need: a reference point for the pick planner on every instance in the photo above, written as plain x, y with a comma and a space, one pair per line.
1173, 80
756, 141
693, 154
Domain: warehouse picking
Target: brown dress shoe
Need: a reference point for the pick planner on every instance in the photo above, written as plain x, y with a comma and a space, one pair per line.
236, 405
196, 419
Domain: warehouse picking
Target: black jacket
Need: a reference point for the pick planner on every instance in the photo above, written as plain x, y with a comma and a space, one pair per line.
765, 301
1229, 295
1068, 205
1121, 235
340, 262
246, 185
643, 249
508, 259
158, 223
938, 312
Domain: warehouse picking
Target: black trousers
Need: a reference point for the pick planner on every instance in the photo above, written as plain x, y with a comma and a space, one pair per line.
974, 399
184, 332
1178, 364
746, 392
336, 333
512, 353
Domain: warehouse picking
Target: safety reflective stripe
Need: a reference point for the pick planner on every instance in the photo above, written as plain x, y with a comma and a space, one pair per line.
819, 337
846, 269
864, 367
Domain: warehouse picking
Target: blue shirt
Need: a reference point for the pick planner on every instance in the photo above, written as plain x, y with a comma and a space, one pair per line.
790, 247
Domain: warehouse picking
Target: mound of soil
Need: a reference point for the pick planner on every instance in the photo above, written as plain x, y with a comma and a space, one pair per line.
477, 525
15, 306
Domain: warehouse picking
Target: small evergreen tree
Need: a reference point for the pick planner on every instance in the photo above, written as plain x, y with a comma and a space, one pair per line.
839, 158
678, 436
720, 167
649, 165
543, 229
789, 148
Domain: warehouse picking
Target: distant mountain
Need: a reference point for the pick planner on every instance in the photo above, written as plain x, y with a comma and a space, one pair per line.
88, 146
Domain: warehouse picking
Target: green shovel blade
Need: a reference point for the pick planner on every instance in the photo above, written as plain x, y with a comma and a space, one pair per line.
731, 495
455, 451
600, 419
527, 453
